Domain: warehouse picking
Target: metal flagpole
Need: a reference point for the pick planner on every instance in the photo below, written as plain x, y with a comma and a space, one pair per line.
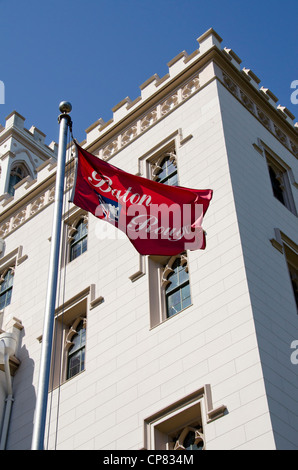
47, 338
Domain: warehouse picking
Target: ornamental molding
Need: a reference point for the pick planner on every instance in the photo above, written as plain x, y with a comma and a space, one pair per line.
167, 270
209, 413
42, 195
187, 73
150, 118
262, 117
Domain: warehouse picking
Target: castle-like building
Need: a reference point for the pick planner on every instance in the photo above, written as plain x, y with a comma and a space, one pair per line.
195, 351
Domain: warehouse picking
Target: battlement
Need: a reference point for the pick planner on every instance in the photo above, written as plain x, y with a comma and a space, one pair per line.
16, 121
179, 64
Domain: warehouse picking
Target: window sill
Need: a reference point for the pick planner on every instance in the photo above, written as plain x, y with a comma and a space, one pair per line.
165, 320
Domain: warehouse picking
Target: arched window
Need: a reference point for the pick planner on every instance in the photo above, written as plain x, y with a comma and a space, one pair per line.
6, 285
176, 283
78, 244
17, 173
165, 170
76, 352
190, 438
277, 186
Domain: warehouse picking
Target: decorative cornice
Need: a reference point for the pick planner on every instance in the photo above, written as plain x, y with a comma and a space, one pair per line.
19, 209
181, 69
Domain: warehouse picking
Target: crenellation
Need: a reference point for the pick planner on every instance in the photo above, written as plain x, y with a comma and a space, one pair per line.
254, 80
181, 62
97, 124
177, 64
286, 113
92, 131
120, 109
54, 147
209, 39
37, 134
14, 119
235, 60
270, 97
149, 86
5, 199
21, 187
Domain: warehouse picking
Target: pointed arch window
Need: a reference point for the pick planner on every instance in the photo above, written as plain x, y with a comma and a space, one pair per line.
190, 438
164, 170
277, 185
281, 178
76, 341
17, 173
6, 285
175, 281
78, 238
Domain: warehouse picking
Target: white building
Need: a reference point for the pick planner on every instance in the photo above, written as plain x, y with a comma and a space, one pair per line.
143, 363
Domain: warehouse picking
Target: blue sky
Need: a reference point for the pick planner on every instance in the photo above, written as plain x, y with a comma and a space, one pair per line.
94, 53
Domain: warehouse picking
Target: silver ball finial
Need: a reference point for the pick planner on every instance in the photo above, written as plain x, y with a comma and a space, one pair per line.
65, 107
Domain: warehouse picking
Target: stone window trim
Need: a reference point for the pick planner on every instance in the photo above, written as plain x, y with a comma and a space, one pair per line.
182, 413
13, 258
70, 334
168, 268
11, 261
21, 171
289, 249
72, 331
159, 269
73, 229
283, 172
198, 438
166, 283
167, 148
6, 287
158, 163
67, 316
71, 221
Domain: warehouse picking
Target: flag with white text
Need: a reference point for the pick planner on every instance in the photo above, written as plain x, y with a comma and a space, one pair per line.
158, 219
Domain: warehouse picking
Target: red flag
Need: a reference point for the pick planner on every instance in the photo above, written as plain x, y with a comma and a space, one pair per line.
158, 219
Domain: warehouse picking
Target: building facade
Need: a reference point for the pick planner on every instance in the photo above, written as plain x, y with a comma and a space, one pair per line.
195, 351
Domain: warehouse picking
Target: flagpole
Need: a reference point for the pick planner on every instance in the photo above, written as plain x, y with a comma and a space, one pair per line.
47, 338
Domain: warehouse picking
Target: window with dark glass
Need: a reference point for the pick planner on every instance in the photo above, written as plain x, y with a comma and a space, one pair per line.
6, 289
277, 186
189, 438
280, 177
294, 280
292, 262
78, 243
76, 352
190, 443
17, 173
168, 172
178, 289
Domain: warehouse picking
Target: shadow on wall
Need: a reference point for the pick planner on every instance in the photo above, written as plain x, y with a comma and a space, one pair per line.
21, 424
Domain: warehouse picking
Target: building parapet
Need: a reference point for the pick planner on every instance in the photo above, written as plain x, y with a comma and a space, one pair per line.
15, 121
209, 41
